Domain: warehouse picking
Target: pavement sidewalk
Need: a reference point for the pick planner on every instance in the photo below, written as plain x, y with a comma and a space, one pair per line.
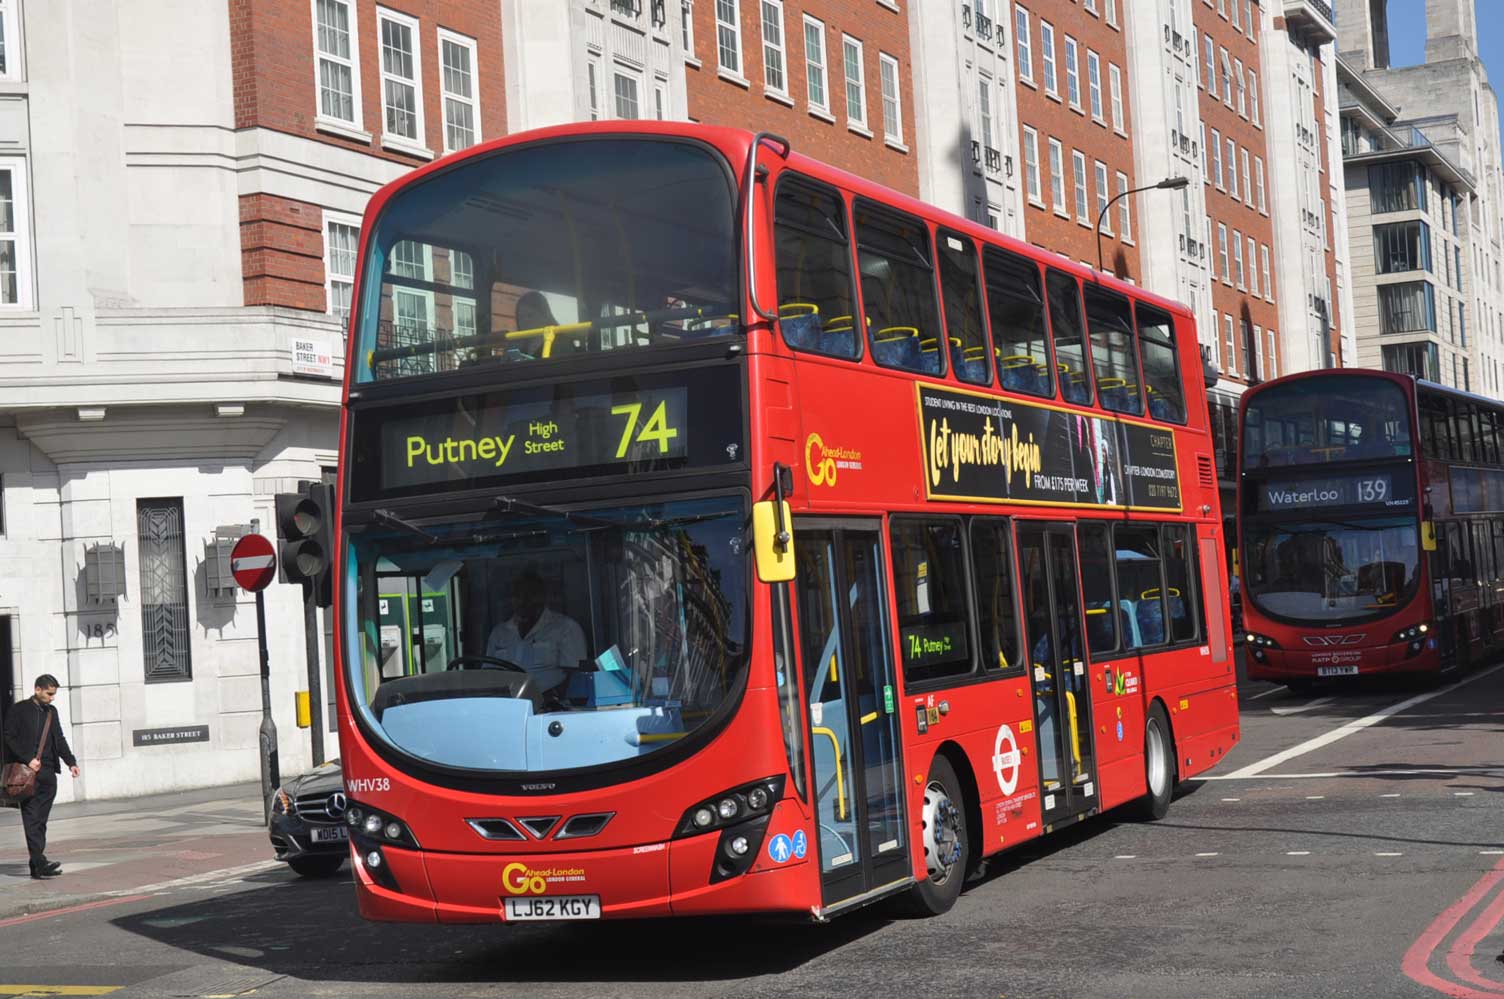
134, 846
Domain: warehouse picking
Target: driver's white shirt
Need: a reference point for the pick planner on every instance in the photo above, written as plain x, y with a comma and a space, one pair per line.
555, 641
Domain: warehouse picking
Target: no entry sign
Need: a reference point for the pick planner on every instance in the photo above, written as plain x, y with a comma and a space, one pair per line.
253, 562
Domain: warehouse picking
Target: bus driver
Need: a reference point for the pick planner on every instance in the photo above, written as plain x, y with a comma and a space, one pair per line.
540, 640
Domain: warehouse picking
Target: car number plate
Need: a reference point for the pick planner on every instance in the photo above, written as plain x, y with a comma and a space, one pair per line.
333, 834
1336, 671
518, 910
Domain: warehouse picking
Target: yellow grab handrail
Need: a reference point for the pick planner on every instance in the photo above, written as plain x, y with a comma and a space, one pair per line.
840, 776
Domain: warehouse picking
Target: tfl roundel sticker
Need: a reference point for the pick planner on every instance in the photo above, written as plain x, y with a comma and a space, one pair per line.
1005, 761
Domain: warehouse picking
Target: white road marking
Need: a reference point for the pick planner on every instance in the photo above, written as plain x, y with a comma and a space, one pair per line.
1206, 855
1387, 853
1296, 709
1266, 693
1404, 772
1232, 799
1358, 725
1392, 794
1491, 853
1297, 853
1462, 794
1126, 856
206, 878
1315, 797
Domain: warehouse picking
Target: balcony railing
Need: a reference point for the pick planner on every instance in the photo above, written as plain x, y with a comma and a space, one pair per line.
984, 26
626, 8
1311, 20
994, 160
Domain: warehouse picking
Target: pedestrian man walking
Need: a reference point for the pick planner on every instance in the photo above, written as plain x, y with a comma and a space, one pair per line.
24, 729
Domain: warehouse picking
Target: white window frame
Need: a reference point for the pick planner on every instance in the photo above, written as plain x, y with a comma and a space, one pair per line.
330, 277
886, 62
1115, 94
985, 126
593, 86
1073, 72
1211, 65
847, 42
1047, 53
1112, 13
1094, 87
1078, 177
1090, 5
620, 74
1230, 343
355, 128
1057, 179
734, 28
1247, 178
1232, 168
661, 109
1222, 253
1271, 355
1253, 97
1216, 151
811, 65
772, 52
16, 166
1258, 176
687, 31
13, 51
1268, 283
1239, 276
1125, 210
1032, 186
1025, 45
1104, 195
417, 144
1242, 84
445, 95
1227, 90
1251, 245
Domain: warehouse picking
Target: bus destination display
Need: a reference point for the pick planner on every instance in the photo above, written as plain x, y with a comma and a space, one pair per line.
569, 430
1368, 488
982, 448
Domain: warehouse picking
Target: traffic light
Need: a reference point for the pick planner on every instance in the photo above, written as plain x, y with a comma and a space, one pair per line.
305, 539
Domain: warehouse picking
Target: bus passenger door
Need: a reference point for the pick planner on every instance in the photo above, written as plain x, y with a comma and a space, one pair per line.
861, 841
1062, 692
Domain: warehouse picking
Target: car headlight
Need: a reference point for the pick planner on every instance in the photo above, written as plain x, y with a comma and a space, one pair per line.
281, 803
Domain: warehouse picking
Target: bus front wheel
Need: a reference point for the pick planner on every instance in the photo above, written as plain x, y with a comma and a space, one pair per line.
947, 844
1159, 765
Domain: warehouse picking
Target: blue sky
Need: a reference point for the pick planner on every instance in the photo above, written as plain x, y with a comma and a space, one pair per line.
1407, 35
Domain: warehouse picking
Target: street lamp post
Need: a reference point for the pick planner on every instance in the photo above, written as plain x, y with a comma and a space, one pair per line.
1168, 184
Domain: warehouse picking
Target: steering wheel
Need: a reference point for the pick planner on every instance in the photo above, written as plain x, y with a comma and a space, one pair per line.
483, 662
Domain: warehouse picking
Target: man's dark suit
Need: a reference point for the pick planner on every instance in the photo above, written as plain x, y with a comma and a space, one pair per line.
23, 730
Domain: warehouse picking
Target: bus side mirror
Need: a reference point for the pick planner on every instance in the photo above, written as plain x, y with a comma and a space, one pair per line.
1428, 535
773, 541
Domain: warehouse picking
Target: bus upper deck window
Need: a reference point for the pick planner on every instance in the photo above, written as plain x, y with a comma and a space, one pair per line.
1112, 354
1015, 312
1070, 346
815, 307
898, 290
962, 297
1156, 343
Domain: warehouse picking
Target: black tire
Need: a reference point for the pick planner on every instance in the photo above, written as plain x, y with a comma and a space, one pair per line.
946, 841
1159, 766
324, 865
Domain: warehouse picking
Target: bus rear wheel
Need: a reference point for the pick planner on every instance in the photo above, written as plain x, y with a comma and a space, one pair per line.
946, 841
1159, 766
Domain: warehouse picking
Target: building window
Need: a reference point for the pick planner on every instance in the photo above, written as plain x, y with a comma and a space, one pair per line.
1271, 358
728, 36
984, 113
687, 27
1237, 72
592, 80
1125, 210
1057, 177
1210, 51
1258, 180
1112, 13
814, 63
1253, 275
1237, 259
1031, 165
1249, 346
1418, 359
1025, 44
1258, 353
164, 590
1226, 76
341, 240
457, 59
338, 62
1103, 197
1094, 83
1402, 246
1247, 179
1407, 308
1072, 73
401, 71
626, 96
1264, 266
1047, 53
10, 48
1222, 252
892, 105
660, 99
773, 62
1091, 6
15, 235
1232, 168
1078, 174
856, 86
1253, 96
1216, 149
1230, 344
1397, 187
1115, 92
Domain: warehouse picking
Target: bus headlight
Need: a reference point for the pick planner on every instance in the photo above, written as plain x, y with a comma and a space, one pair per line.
739, 804
1412, 633
369, 825
1262, 641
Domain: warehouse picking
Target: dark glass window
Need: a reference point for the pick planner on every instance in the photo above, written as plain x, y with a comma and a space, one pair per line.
1103, 615
1141, 585
815, 307
1396, 187
1402, 246
997, 615
963, 309
1015, 309
929, 581
1180, 578
1156, 344
1407, 308
1112, 354
1312, 421
898, 290
1070, 348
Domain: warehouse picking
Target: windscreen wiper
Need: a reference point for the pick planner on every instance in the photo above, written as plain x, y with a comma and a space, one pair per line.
510, 504
390, 519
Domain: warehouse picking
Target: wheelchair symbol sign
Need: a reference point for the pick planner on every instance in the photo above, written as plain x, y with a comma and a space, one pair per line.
780, 848
801, 844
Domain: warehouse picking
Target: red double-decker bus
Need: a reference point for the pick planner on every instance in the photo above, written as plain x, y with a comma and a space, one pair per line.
722, 532
1371, 526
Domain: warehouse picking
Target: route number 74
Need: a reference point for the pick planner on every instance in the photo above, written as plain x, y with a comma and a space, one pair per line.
656, 429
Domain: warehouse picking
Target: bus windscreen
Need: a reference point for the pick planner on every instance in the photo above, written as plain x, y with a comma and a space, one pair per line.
550, 251
1318, 421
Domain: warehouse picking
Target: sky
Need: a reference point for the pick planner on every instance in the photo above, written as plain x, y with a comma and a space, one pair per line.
1407, 35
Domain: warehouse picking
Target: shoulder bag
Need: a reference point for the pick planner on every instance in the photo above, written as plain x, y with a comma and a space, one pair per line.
17, 780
